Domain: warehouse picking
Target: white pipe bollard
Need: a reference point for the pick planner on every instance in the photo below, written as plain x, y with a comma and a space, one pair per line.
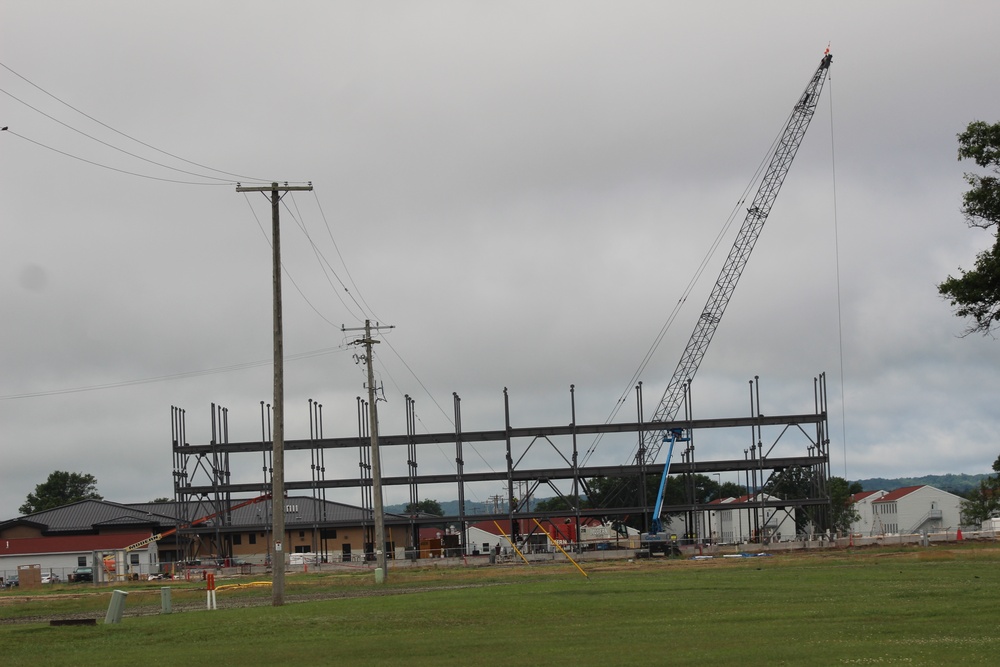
210, 587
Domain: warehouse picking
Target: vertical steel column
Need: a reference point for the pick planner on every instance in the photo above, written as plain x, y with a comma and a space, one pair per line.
365, 467
267, 473
314, 474
690, 488
227, 495
182, 480
576, 467
755, 496
460, 463
411, 463
760, 463
640, 459
322, 479
217, 483
180, 461
510, 462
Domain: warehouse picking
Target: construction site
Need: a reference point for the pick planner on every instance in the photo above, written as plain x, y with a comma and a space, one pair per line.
790, 452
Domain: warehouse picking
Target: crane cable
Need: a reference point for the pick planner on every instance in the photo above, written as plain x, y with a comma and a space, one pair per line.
836, 251
689, 288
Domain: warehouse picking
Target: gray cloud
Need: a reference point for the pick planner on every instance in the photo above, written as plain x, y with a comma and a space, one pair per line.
523, 189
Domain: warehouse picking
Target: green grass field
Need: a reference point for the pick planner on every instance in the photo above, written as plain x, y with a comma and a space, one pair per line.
934, 606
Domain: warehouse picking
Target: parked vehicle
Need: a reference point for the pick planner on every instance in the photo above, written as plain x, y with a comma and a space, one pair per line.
50, 578
11, 583
82, 574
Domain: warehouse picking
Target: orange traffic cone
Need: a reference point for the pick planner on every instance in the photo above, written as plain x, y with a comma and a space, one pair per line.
958, 536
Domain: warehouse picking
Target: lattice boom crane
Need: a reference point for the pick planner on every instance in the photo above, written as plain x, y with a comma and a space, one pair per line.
757, 214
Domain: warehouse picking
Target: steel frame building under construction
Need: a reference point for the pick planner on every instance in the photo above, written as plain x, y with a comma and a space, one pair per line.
202, 472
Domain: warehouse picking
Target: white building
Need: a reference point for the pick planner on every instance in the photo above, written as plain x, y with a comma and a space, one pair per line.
61, 555
744, 519
485, 536
862, 503
914, 509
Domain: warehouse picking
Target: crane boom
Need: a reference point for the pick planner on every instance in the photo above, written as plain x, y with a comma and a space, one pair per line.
200, 520
767, 192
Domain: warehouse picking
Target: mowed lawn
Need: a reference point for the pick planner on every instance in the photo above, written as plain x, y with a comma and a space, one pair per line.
934, 606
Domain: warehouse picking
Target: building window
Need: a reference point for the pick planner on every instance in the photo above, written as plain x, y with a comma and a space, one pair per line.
302, 533
81, 561
238, 538
133, 558
253, 538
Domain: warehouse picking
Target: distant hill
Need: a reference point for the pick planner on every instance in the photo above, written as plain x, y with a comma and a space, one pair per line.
957, 484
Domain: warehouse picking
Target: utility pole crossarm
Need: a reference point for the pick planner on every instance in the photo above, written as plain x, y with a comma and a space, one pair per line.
272, 187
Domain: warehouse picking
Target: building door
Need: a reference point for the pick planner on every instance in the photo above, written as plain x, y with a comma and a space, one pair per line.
346, 550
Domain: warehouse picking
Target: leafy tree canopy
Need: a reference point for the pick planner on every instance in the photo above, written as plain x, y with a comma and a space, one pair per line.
984, 502
732, 490
559, 504
975, 293
611, 492
842, 512
61, 488
426, 506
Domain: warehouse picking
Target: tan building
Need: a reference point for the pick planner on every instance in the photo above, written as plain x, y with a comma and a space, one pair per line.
331, 532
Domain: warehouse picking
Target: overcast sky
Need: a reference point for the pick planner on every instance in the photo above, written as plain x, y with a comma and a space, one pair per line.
523, 189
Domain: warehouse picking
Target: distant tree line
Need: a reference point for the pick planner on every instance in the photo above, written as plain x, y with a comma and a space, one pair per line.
960, 485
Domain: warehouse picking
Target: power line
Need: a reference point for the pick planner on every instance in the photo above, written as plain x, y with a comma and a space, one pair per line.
112, 146
175, 376
341, 257
323, 262
131, 138
284, 269
105, 166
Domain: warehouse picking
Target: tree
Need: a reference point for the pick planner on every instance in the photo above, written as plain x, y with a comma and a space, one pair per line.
842, 512
560, 504
612, 492
426, 506
975, 293
983, 503
732, 490
61, 488
795, 482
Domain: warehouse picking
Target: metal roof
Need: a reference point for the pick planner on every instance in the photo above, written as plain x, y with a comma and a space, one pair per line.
896, 494
90, 515
86, 515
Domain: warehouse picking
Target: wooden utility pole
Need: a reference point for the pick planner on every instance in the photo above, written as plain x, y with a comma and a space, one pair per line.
368, 341
278, 438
